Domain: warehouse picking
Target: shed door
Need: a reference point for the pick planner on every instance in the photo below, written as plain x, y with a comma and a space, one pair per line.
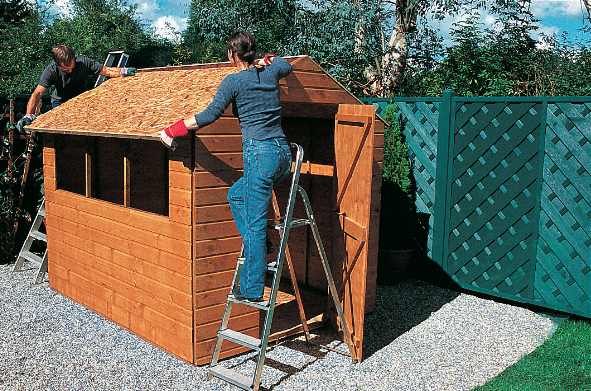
354, 138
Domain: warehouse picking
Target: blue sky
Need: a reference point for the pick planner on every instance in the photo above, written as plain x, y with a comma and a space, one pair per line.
556, 15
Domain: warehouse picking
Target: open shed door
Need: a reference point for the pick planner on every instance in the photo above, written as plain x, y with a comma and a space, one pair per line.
354, 139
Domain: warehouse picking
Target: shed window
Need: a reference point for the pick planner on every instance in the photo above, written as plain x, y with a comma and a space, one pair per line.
132, 173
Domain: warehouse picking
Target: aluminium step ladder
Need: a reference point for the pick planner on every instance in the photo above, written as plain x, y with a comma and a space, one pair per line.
260, 344
114, 59
35, 235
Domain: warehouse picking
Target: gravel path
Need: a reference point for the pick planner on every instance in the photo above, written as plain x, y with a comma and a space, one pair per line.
420, 337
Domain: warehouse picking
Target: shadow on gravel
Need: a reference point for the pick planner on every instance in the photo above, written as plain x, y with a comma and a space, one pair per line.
399, 308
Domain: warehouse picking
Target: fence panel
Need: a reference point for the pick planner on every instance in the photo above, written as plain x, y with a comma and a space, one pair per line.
507, 185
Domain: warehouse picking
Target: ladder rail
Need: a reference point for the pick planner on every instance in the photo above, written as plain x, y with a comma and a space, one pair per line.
25, 255
261, 344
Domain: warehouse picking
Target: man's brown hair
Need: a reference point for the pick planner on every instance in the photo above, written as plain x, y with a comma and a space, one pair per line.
62, 55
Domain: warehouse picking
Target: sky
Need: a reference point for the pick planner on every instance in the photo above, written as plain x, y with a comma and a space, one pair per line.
555, 16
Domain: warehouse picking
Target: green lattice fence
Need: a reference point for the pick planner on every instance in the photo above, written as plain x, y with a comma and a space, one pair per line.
511, 206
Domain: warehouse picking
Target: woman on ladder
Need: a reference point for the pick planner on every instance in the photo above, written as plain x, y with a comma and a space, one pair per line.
254, 95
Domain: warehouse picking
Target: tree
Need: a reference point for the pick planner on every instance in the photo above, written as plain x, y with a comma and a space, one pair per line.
93, 28
22, 52
211, 22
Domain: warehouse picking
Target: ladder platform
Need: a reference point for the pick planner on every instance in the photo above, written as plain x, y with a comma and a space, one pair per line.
29, 256
41, 212
235, 378
263, 305
38, 235
280, 225
241, 339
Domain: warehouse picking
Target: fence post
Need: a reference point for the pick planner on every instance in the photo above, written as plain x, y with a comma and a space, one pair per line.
443, 172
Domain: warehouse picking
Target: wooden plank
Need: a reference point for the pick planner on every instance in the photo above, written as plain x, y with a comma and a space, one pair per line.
216, 263
180, 180
212, 213
215, 230
290, 94
207, 248
218, 143
96, 268
207, 331
219, 161
214, 313
224, 125
206, 179
180, 197
213, 281
211, 196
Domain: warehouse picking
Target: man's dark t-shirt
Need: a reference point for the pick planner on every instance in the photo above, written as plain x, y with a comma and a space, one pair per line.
69, 85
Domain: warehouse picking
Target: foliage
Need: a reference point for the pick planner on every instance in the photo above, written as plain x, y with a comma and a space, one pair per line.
344, 37
502, 61
23, 53
211, 22
398, 188
563, 362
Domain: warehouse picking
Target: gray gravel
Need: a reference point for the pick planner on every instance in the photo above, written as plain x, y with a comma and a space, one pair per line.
420, 337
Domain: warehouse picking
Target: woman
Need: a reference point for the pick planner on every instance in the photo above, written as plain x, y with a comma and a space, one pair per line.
254, 94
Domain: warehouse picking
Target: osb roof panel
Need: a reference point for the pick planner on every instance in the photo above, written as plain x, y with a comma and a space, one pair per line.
138, 106
142, 105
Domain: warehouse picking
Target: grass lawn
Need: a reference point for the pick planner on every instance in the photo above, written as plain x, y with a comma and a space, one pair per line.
563, 362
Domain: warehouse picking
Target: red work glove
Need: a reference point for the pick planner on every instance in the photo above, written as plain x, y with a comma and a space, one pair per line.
267, 58
177, 129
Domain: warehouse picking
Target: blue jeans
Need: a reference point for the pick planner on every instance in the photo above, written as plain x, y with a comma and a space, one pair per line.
266, 163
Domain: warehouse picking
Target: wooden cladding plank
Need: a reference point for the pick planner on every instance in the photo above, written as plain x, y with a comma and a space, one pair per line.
134, 283
221, 229
180, 347
48, 172
180, 197
214, 313
205, 214
207, 248
309, 79
49, 156
211, 196
224, 125
123, 222
290, 94
216, 263
205, 179
155, 255
182, 329
246, 322
218, 161
212, 281
180, 180
218, 143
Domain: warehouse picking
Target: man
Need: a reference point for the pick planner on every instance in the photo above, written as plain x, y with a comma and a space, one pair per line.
68, 73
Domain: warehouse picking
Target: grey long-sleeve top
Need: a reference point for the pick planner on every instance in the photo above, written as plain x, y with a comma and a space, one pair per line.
254, 94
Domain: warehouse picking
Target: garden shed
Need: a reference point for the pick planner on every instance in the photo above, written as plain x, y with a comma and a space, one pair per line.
144, 236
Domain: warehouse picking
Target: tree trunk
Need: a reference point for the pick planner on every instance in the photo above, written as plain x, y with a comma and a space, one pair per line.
394, 62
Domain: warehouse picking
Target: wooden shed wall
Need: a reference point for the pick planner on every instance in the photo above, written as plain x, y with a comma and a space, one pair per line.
130, 266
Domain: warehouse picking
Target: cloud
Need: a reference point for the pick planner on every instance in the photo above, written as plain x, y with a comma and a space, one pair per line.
167, 26
555, 8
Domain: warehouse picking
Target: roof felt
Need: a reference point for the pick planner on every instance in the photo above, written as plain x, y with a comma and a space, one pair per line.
138, 106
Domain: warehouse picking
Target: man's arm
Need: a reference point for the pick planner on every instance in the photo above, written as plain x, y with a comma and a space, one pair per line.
35, 99
117, 72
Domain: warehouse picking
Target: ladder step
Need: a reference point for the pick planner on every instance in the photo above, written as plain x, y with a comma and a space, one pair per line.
41, 212
240, 338
294, 223
272, 266
29, 256
263, 305
231, 376
38, 235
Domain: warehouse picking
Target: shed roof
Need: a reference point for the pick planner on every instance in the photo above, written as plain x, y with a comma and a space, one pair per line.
141, 106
